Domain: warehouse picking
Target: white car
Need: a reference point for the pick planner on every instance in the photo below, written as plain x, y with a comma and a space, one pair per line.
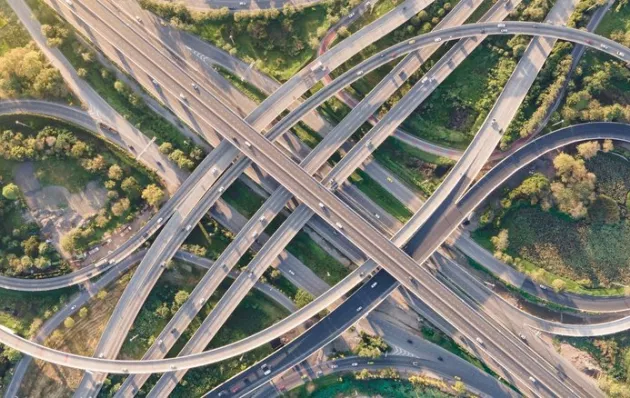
479, 340
351, 15
248, 144
504, 30
188, 227
292, 272
501, 25
605, 47
138, 19
262, 219
265, 369
355, 364
412, 41
437, 39
242, 3
621, 54
195, 86
531, 378
101, 355
359, 308
373, 285
543, 287
69, 2
359, 73
160, 220
321, 205
201, 301
339, 225
522, 336
182, 96
221, 189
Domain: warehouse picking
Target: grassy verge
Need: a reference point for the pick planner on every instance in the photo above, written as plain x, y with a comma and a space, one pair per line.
380, 196
417, 169
243, 86
348, 385
317, 259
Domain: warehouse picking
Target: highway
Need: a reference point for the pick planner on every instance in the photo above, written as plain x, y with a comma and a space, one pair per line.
404, 365
89, 290
114, 334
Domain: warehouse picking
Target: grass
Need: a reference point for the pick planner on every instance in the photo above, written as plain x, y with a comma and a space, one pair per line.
243, 199
618, 18
418, 169
67, 173
19, 309
380, 196
243, 86
348, 385
317, 259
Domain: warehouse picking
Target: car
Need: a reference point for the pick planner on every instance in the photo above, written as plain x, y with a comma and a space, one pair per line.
138, 19
173, 367
321, 205
604, 46
163, 264
411, 41
501, 25
214, 170
333, 366
160, 341
531, 378
125, 370
351, 15
621, 54
221, 189
543, 287
373, 285
522, 336
74, 307
188, 227
440, 359
479, 340
160, 220
377, 216
101, 355
415, 363
382, 55
265, 369
173, 331
370, 363
389, 179
339, 225
355, 364
292, 272
409, 341
182, 96
195, 86
359, 73
248, 144
424, 80
69, 2
359, 308
155, 82
437, 39
201, 301
504, 30
254, 234
242, 3
262, 219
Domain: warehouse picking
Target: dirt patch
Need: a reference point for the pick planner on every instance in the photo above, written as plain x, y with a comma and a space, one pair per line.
583, 361
55, 208
44, 379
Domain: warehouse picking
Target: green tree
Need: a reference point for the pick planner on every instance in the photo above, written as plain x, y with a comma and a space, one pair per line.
153, 195
120, 207
68, 322
559, 285
131, 187
604, 210
302, 298
501, 241
11, 191
115, 172
83, 312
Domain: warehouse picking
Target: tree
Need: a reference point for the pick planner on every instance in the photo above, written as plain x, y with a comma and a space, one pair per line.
68, 322
12, 355
101, 294
153, 195
25, 72
166, 148
83, 312
576, 188
120, 207
302, 298
501, 241
559, 285
604, 210
371, 346
459, 387
588, 149
131, 187
115, 172
11, 191
608, 146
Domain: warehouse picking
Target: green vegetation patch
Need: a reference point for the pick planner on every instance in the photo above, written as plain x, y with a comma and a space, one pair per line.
418, 169
349, 386
317, 259
67, 173
380, 195
280, 43
12, 33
